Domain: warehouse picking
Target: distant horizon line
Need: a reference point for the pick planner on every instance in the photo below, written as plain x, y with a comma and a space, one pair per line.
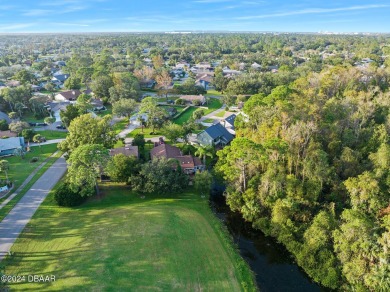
203, 31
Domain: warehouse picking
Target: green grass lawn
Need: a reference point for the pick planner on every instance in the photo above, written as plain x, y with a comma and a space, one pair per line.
213, 92
123, 243
185, 116
213, 105
177, 107
106, 112
220, 114
50, 134
29, 117
146, 132
120, 126
5, 210
20, 169
208, 121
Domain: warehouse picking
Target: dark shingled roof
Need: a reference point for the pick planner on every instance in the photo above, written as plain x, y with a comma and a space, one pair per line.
230, 119
61, 77
218, 130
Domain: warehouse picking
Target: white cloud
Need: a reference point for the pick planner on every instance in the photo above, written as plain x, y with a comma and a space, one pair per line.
15, 26
313, 11
37, 12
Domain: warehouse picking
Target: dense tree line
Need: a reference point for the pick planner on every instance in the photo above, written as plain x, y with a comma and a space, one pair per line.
310, 167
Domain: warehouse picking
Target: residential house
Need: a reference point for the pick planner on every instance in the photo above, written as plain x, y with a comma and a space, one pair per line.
56, 107
171, 111
59, 79
9, 145
188, 163
229, 73
228, 122
182, 65
136, 119
256, 66
7, 134
13, 83
127, 151
70, 95
97, 104
204, 80
60, 63
192, 98
215, 135
28, 63
36, 88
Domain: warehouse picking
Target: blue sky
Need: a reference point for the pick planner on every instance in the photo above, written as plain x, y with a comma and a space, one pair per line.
170, 15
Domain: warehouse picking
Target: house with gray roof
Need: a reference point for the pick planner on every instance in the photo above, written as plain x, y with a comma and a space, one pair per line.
216, 135
9, 145
228, 123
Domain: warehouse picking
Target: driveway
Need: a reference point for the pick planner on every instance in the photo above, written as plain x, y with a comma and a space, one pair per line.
14, 223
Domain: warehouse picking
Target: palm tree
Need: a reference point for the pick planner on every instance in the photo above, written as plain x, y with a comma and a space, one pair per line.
142, 122
4, 166
203, 151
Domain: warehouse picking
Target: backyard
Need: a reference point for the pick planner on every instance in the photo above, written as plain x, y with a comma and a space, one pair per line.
120, 240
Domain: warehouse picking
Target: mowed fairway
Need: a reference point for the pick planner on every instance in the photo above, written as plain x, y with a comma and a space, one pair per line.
124, 243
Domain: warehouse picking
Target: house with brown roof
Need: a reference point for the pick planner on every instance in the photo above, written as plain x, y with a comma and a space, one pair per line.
127, 151
7, 133
192, 98
188, 163
70, 95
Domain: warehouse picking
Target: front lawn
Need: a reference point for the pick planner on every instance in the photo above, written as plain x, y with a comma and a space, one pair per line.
146, 132
120, 125
51, 134
121, 242
213, 105
221, 114
108, 111
20, 169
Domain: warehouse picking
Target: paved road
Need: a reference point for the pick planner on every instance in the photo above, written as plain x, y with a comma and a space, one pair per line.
14, 223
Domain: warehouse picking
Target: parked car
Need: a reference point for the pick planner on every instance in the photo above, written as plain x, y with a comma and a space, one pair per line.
60, 127
40, 124
32, 124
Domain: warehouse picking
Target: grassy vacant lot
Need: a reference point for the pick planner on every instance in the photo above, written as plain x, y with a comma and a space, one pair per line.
20, 169
123, 243
51, 134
